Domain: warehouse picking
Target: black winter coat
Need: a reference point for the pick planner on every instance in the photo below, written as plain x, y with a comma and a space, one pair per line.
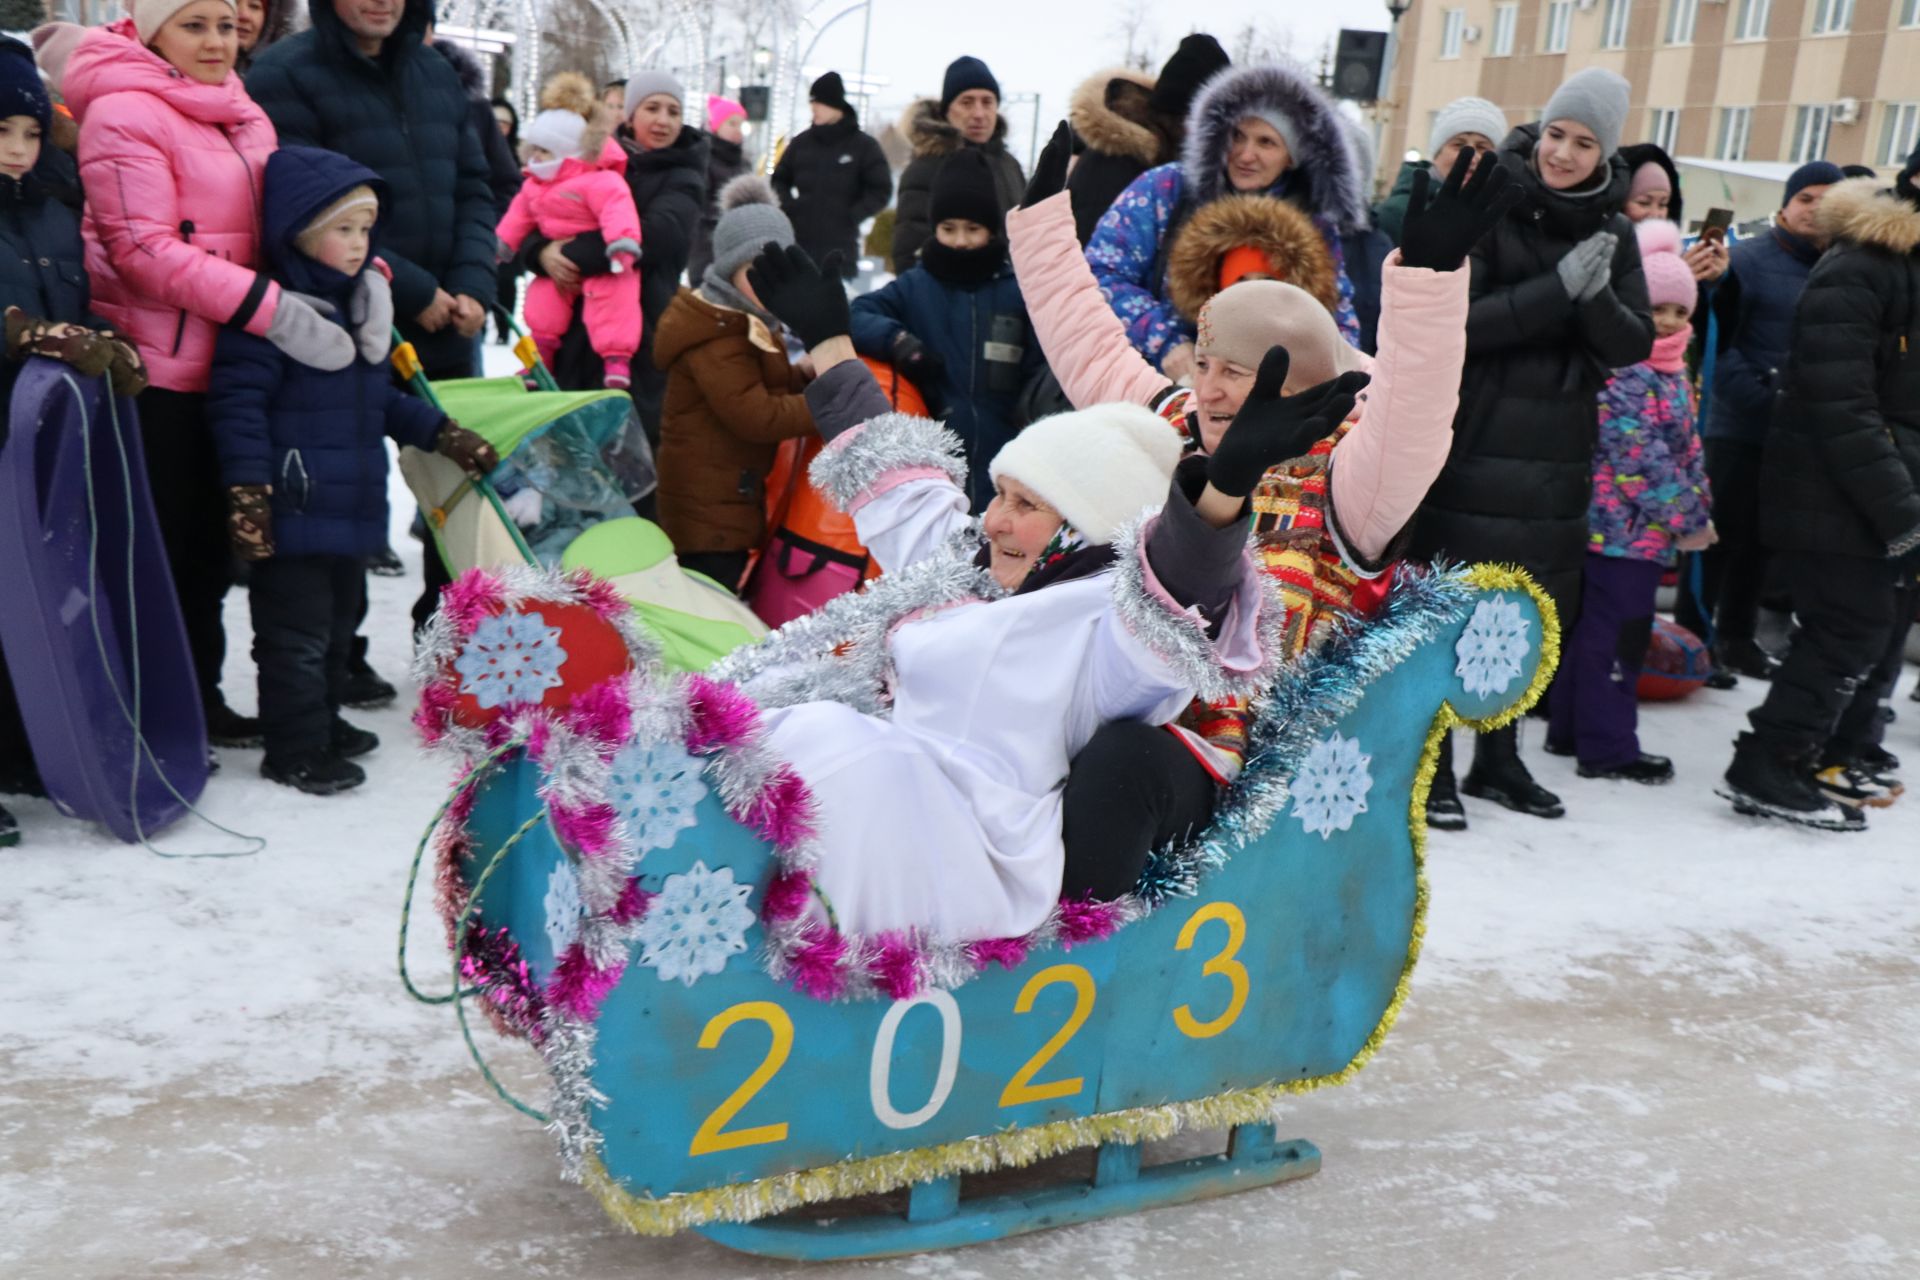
1520, 473
406, 117
830, 179
725, 162
42, 265
1111, 113
1842, 469
1765, 274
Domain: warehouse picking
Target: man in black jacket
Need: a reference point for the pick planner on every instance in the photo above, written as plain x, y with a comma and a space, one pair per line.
1840, 505
362, 82
832, 177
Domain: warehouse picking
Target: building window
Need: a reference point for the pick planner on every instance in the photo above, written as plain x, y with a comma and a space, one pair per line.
1666, 128
1810, 127
1735, 122
1680, 21
1504, 18
1910, 13
1452, 27
1559, 18
1832, 16
1751, 22
1613, 34
1901, 133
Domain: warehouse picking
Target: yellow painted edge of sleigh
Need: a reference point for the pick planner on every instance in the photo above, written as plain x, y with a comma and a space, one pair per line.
1015, 1148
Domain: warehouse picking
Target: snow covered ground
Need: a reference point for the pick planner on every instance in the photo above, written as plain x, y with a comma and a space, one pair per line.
1652, 1039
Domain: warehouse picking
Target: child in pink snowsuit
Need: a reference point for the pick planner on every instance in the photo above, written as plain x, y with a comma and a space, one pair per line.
566, 195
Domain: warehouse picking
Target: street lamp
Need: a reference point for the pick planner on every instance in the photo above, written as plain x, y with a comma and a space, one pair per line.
1396, 10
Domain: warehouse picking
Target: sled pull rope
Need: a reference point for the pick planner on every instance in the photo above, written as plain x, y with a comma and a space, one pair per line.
459, 954
141, 747
413, 872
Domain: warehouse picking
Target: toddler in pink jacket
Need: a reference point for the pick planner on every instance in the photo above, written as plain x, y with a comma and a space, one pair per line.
576, 183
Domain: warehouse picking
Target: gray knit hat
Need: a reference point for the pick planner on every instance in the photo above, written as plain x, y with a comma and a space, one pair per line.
1596, 98
749, 217
1466, 115
642, 85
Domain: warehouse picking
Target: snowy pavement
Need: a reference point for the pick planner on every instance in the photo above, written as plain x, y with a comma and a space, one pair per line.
1652, 1039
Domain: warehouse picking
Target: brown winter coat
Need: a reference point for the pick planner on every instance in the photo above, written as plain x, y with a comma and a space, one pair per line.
1278, 229
731, 399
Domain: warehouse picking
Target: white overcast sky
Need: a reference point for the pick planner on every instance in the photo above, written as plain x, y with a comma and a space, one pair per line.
1049, 46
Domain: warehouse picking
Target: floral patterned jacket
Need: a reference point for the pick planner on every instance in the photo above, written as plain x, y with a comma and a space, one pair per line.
1126, 246
1649, 484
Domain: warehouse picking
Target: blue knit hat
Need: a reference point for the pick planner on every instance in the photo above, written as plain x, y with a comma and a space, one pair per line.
1814, 173
22, 91
963, 73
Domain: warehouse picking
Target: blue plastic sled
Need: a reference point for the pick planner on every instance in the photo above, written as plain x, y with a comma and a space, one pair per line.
92, 631
721, 1101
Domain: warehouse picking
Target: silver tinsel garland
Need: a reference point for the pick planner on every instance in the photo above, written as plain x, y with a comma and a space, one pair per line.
853, 464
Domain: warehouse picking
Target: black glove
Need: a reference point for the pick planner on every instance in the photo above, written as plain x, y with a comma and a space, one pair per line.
1050, 170
916, 363
808, 299
1270, 429
1439, 232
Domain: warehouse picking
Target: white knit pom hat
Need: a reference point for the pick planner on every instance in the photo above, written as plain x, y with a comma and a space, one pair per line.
558, 132
1098, 467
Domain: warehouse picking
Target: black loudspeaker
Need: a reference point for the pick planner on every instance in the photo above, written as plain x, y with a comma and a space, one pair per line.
1357, 64
756, 98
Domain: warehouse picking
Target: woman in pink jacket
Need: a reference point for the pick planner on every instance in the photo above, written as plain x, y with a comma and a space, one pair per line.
171, 156
1329, 526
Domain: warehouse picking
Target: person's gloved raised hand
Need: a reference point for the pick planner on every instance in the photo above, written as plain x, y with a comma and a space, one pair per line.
1588, 266
1440, 231
1270, 428
305, 335
806, 297
250, 521
1050, 170
468, 448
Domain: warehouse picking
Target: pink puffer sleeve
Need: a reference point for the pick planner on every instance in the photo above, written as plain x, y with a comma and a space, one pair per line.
1085, 343
1385, 464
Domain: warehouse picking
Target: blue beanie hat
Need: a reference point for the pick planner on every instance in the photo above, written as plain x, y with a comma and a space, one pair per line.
1814, 173
963, 73
22, 91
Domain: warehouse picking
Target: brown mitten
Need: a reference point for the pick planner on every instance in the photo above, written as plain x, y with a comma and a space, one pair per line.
250, 521
468, 448
127, 370
73, 344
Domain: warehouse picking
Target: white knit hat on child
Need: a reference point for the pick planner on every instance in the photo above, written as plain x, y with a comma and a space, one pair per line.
558, 132
1098, 467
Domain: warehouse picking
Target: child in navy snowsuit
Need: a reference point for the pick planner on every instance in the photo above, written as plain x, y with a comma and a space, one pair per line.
1650, 501
955, 325
303, 455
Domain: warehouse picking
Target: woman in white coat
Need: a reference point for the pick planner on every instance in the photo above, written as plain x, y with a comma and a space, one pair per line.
997, 648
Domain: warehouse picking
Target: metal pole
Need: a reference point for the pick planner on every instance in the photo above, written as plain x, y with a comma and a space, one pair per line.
866, 39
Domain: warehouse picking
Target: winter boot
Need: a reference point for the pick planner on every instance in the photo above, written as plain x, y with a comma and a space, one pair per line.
22, 780
1499, 775
1765, 781
319, 773
228, 728
1881, 765
350, 741
9, 830
1444, 810
1649, 769
365, 689
1844, 780
1746, 658
618, 375
384, 563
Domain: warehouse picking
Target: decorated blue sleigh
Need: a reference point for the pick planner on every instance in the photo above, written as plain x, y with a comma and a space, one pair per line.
622, 869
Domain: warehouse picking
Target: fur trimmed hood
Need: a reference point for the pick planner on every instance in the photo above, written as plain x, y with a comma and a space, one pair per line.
930, 134
1109, 111
1325, 176
1275, 227
1865, 211
466, 64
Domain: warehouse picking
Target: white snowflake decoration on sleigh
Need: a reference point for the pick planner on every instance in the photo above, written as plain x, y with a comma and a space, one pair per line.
698, 921
509, 658
563, 907
1492, 651
1330, 790
656, 786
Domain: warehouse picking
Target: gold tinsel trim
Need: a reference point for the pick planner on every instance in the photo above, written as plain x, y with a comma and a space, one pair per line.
746, 1201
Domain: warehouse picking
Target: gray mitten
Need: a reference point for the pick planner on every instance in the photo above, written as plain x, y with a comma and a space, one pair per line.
1584, 271
371, 311
300, 331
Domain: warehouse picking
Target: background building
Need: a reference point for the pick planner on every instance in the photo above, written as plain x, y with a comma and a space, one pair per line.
1741, 90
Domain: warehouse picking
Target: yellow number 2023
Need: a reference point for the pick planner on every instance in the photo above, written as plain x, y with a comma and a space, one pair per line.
711, 1135
1021, 1088
1222, 965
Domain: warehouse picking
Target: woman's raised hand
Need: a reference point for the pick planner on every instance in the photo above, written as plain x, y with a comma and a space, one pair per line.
808, 299
1050, 170
1271, 428
1440, 232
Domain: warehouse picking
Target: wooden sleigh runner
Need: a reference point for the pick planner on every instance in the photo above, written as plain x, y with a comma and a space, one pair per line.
623, 873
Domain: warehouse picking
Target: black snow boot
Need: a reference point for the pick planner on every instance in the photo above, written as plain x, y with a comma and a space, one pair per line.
1444, 810
1499, 775
228, 728
350, 741
365, 689
9, 830
1649, 769
1767, 781
320, 773
1746, 658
